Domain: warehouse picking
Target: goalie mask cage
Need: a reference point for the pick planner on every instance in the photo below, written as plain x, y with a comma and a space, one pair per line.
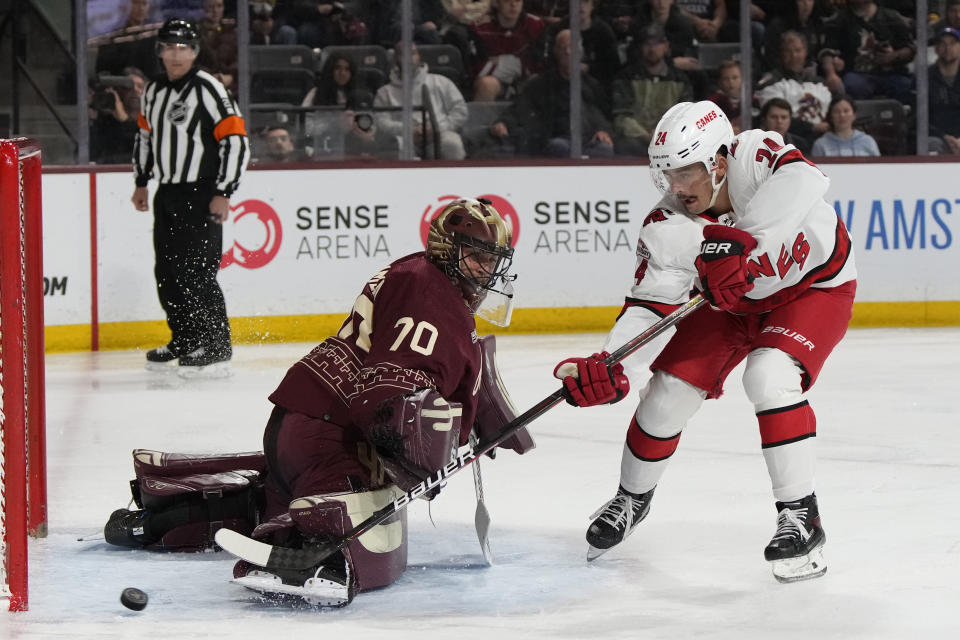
23, 492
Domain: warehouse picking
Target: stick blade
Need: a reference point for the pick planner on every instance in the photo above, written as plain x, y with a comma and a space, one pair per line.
481, 519
245, 548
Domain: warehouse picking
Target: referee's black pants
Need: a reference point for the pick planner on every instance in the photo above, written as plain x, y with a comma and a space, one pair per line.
188, 247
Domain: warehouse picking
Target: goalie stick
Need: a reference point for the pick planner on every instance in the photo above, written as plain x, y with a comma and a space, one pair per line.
271, 557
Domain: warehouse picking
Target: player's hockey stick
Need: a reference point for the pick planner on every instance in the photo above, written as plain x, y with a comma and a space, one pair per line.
271, 557
481, 518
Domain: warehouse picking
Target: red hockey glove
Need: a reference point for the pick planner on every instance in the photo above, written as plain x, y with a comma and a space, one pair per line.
722, 265
590, 381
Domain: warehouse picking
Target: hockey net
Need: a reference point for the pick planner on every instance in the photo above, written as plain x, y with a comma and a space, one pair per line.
23, 500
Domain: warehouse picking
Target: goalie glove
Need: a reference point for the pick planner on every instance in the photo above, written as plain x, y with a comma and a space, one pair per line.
414, 435
722, 265
590, 381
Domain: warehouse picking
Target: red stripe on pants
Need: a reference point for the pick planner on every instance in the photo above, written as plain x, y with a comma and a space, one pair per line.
788, 424
647, 447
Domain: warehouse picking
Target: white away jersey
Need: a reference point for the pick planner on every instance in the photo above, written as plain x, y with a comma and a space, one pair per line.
777, 197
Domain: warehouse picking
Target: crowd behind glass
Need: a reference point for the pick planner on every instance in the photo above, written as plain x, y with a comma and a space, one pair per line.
491, 78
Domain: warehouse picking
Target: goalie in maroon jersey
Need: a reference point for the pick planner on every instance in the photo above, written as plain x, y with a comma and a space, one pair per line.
367, 415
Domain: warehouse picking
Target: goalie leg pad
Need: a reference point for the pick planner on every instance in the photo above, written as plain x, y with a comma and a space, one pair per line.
494, 407
375, 559
157, 463
184, 513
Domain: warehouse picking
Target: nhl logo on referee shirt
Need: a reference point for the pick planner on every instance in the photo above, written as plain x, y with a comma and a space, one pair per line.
177, 113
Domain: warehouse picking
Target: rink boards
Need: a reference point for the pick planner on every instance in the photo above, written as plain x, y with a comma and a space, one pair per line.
301, 243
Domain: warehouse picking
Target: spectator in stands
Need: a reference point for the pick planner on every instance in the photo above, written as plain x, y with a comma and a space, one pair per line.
218, 45
945, 94
550, 11
805, 17
509, 41
624, 17
678, 26
727, 96
776, 115
796, 83
643, 91
324, 23
115, 106
446, 102
352, 133
951, 18
842, 139
868, 50
337, 85
265, 30
708, 17
133, 45
539, 119
279, 146
459, 28
599, 44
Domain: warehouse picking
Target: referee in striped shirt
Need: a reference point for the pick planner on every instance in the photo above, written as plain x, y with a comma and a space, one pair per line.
193, 140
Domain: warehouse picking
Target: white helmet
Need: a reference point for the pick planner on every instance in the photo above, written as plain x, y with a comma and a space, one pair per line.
688, 133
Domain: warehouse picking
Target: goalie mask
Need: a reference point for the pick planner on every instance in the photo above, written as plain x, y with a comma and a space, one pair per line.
470, 241
689, 133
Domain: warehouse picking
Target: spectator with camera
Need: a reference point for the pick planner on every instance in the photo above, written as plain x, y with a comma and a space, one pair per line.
114, 106
352, 133
444, 100
265, 30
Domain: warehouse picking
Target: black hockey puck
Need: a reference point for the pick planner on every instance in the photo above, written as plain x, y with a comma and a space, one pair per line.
133, 599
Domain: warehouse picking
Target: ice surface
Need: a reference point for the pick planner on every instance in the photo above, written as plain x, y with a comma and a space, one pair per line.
888, 478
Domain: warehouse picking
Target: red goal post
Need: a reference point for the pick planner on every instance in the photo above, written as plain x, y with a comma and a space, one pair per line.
23, 485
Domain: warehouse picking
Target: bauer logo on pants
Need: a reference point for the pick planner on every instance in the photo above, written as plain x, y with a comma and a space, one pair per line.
254, 236
502, 205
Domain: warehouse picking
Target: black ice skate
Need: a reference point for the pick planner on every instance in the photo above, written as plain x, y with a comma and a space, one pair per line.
796, 550
127, 528
326, 585
160, 358
615, 520
205, 363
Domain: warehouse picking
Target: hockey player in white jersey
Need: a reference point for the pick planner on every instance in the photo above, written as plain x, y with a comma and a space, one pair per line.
742, 219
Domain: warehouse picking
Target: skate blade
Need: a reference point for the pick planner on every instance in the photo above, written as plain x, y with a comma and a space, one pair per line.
316, 592
210, 371
593, 553
161, 367
800, 568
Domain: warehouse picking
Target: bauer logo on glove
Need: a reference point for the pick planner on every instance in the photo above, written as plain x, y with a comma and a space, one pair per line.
722, 265
591, 381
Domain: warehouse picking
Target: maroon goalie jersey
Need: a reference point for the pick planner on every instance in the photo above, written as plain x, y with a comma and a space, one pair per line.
409, 328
